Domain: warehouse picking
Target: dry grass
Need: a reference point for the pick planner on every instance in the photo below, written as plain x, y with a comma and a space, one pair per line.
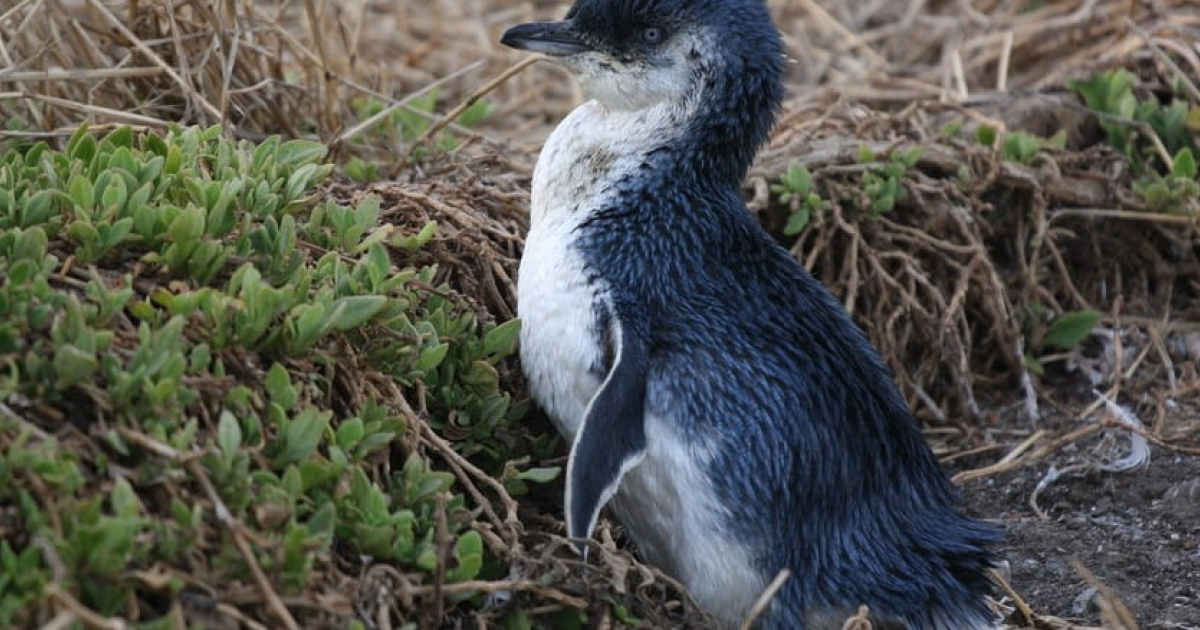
939, 290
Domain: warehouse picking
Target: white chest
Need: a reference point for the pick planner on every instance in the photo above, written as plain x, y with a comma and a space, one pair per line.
665, 501
559, 346
578, 170
589, 153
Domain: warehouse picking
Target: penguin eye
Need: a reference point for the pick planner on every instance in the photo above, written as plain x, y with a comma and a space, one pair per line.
652, 35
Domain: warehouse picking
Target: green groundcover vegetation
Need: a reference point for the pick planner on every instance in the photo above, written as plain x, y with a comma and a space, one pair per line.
197, 351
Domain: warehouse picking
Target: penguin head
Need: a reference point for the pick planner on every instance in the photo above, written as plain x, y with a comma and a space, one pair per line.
633, 54
713, 67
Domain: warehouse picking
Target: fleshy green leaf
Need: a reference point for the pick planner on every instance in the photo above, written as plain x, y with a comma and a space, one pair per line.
1072, 328
301, 437
353, 311
1185, 164
431, 357
540, 475
501, 341
279, 387
73, 365
229, 433
299, 152
469, 552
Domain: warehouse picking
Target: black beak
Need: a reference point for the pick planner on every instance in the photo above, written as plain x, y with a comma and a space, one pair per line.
556, 39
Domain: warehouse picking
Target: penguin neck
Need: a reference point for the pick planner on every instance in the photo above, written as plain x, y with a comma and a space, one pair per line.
722, 137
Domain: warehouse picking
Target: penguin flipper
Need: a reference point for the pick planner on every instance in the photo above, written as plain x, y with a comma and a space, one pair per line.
612, 438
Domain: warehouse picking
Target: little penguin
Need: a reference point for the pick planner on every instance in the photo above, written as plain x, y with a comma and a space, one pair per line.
717, 397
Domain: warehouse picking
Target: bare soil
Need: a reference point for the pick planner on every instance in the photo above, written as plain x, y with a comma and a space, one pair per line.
1137, 533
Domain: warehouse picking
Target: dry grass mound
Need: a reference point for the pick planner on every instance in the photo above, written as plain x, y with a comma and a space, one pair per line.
973, 267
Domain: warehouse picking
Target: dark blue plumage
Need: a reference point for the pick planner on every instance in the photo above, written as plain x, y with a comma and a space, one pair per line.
711, 379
